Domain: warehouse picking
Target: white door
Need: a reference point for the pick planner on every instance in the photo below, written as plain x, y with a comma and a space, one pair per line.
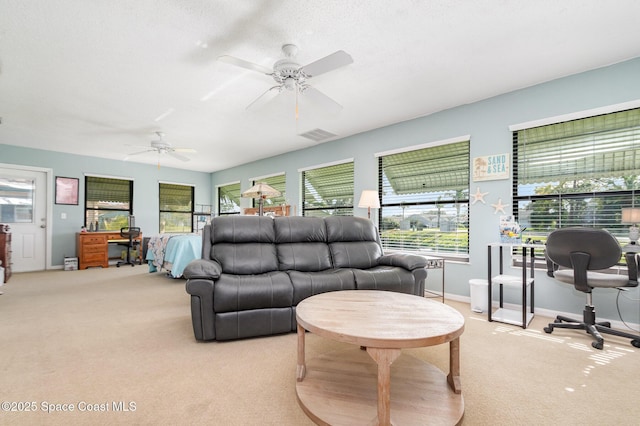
23, 206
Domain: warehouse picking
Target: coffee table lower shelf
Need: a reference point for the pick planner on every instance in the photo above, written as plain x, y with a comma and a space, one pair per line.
340, 388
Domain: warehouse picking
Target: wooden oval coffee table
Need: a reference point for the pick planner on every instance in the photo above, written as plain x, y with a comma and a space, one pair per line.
346, 388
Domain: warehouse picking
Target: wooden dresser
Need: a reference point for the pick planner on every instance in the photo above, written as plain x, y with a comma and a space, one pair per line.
5, 251
93, 249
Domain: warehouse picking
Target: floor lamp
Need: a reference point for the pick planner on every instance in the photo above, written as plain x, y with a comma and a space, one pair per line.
369, 199
261, 191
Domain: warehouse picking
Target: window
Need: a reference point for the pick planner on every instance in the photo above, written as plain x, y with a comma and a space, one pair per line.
229, 199
16, 199
328, 191
108, 203
176, 208
278, 182
425, 199
577, 173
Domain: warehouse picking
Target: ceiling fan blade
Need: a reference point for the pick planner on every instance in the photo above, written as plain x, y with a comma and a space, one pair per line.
190, 150
245, 64
328, 63
264, 98
321, 99
178, 156
137, 153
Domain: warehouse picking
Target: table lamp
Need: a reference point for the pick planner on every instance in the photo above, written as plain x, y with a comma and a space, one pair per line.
261, 191
369, 198
631, 216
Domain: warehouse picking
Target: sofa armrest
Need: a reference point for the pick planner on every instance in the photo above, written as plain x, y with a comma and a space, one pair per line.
202, 268
202, 315
406, 261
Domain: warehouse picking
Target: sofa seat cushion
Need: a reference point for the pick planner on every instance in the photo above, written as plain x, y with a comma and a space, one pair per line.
306, 284
246, 292
385, 278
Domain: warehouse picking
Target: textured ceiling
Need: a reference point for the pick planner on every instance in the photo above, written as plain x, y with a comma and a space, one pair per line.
100, 77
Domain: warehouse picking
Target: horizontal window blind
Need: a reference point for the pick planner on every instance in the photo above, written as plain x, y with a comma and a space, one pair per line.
577, 173
425, 199
108, 193
176, 208
229, 199
178, 198
328, 190
108, 203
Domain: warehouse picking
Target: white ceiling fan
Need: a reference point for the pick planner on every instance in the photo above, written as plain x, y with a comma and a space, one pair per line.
162, 147
289, 75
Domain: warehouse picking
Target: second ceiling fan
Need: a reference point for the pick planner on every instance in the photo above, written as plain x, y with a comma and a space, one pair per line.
291, 76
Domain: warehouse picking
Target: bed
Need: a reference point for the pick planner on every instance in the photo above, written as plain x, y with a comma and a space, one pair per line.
173, 252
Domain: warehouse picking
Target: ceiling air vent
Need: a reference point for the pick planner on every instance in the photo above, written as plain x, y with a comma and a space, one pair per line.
317, 135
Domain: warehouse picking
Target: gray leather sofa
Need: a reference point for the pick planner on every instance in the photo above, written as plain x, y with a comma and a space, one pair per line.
255, 270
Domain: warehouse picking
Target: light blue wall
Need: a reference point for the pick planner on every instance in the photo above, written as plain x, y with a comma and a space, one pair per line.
488, 124
145, 197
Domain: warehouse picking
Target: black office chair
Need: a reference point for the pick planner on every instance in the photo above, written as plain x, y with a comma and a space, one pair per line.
130, 234
583, 251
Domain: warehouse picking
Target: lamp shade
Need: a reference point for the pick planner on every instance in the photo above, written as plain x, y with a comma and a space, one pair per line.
631, 215
369, 199
261, 190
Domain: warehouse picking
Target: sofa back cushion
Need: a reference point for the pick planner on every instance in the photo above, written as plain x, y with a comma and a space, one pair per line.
302, 244
244, 244
353, 242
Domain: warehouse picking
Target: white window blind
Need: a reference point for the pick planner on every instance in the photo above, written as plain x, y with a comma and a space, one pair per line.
328, 190
108, 202
425, 199
577, 173
229, 199
176, 208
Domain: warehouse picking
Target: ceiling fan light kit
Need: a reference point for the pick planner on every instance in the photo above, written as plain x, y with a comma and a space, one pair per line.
289, 75
161, 147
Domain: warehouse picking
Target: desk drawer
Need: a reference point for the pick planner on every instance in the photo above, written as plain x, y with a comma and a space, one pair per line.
87, 249
93, 239
94, 257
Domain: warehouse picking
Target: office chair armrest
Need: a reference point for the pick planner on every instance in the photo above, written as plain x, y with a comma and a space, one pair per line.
632, 268
551, 266
580, 263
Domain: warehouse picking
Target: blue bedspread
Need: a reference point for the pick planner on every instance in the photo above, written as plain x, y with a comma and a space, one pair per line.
173, 252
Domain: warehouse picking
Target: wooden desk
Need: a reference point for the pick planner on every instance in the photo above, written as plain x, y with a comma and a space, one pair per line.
338, 387
93, 247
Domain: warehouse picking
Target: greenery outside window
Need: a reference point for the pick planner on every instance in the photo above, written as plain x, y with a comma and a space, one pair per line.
229, 199
328, 191
176, 208
108, 202
425, 200
577, 173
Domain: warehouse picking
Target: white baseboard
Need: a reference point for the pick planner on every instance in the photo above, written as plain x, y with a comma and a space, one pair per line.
546, 312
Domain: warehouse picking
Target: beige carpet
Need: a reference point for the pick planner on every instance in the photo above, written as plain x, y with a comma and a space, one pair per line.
121, 338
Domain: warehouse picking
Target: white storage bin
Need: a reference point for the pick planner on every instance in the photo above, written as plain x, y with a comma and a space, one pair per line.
479, 294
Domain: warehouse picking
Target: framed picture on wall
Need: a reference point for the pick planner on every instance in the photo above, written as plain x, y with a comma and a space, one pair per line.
67, 190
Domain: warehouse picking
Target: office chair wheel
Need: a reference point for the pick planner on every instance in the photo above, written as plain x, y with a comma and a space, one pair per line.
635, 343
117, 265
548, 330
597, 345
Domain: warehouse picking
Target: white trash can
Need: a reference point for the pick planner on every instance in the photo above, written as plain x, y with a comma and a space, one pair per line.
479, 294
